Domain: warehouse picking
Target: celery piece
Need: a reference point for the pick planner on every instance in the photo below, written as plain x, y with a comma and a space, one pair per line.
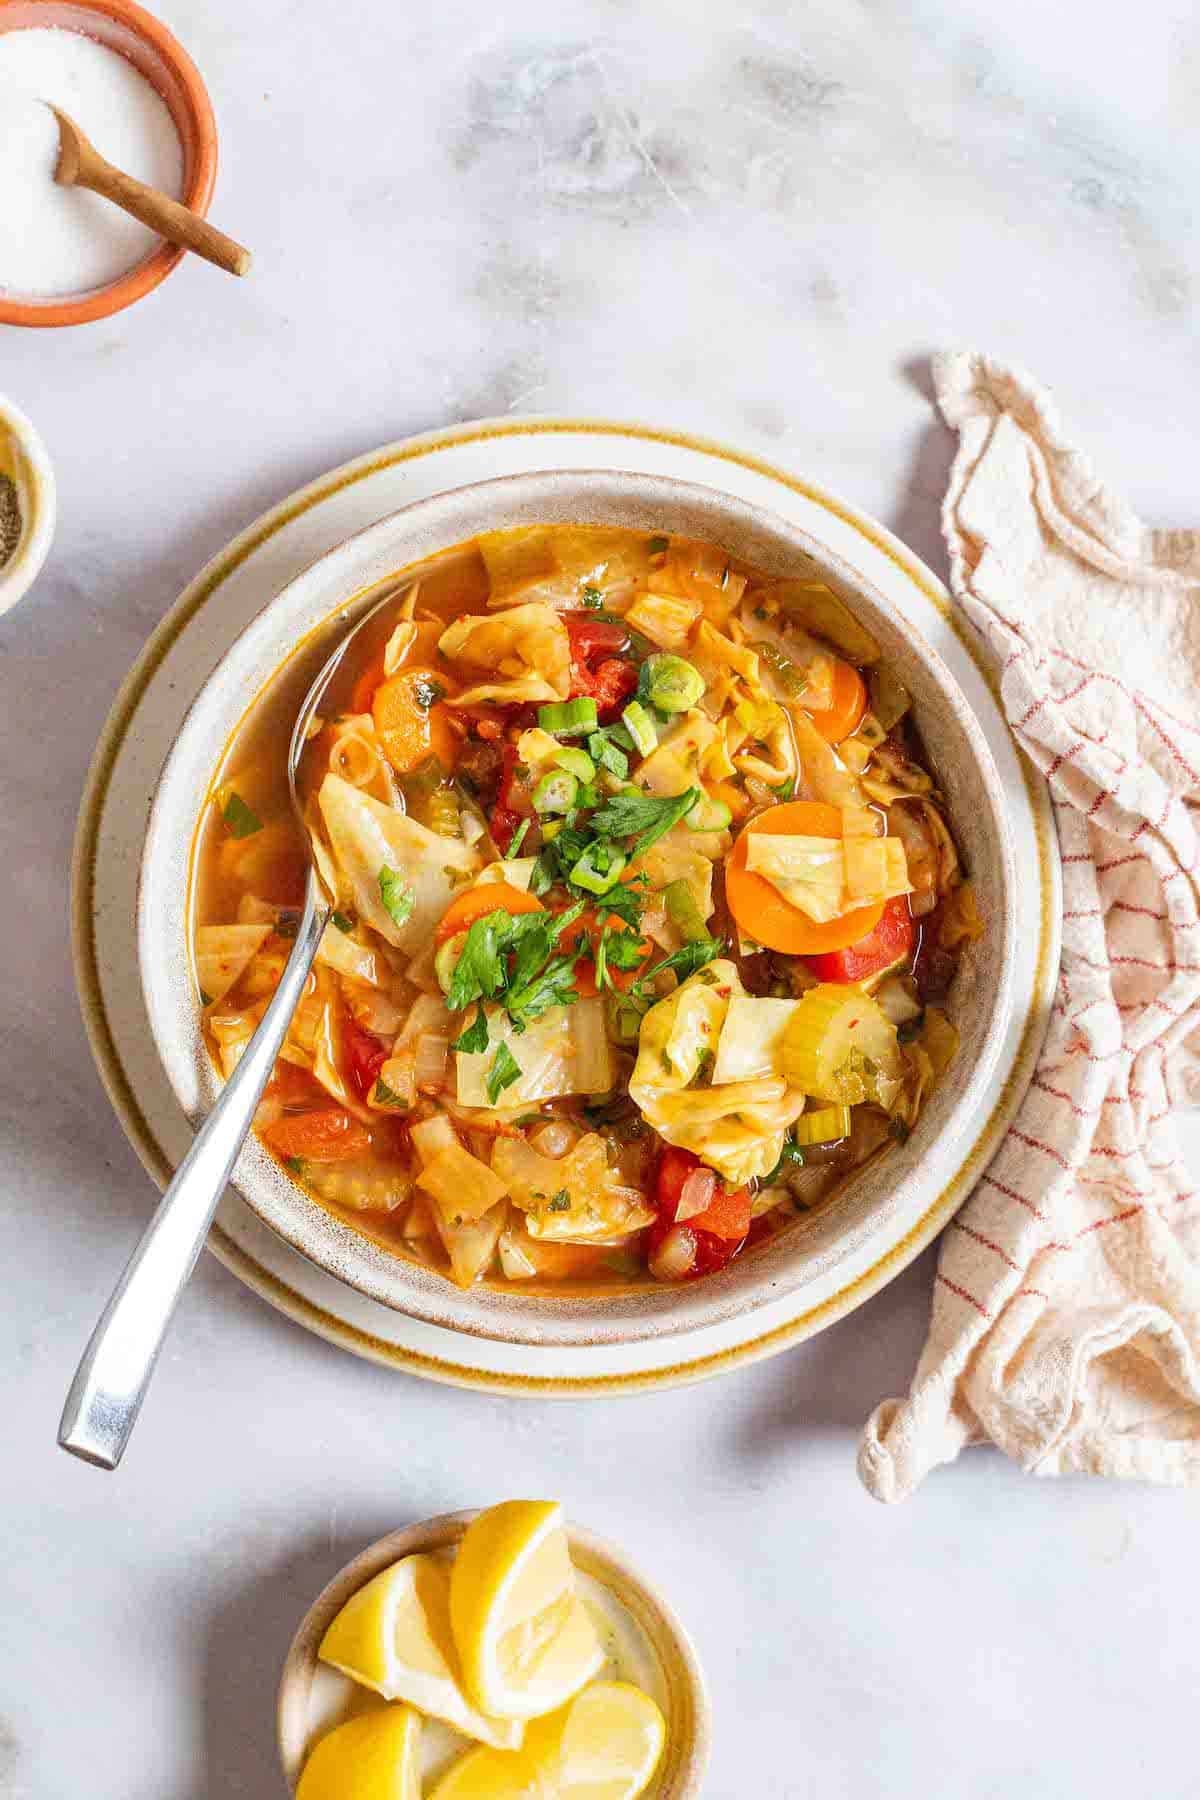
683, 912
828, 1125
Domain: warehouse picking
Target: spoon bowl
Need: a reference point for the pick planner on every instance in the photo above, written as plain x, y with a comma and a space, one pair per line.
114, 1372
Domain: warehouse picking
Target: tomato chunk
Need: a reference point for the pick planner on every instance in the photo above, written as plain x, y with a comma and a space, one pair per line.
514, 802
365, 1055
599, 671
720, 1230
891, 939
332, 1135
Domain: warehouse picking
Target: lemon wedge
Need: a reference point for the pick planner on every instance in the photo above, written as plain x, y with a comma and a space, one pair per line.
525, 1640
394, 1636
612, 1742
605, 1745
375, 1757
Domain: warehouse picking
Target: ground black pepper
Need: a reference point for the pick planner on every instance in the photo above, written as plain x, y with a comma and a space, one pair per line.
10, 518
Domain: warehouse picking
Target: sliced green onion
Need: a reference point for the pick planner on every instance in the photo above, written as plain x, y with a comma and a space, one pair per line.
670, 683
569, 718
683, 912
640, 726
708, 815
446, 959
599, 868
576, 762
607, 754
555, 792
515, 842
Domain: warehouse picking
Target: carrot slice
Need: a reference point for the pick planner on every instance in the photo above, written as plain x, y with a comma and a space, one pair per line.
477, 902
761, 910
845, 712
589, 927
412, 722
364, 688
332, 1135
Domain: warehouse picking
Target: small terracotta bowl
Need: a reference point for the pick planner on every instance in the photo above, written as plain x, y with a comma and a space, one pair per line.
166, 65
681, 1694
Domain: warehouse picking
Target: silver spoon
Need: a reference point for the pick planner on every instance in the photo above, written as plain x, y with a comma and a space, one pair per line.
114, 1372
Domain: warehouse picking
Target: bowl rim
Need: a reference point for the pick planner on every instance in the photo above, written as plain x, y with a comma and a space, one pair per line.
145, 276
596, 1556
322, 1237
19, 574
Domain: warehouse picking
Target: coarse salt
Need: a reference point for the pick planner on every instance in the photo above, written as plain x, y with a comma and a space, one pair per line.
59, 240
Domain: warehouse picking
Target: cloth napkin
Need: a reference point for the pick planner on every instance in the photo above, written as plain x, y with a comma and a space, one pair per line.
1065, 1325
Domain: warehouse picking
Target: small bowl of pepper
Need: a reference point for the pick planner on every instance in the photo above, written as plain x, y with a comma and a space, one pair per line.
27, 504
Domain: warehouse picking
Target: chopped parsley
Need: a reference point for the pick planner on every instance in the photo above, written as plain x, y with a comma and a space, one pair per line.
239, 818
474, 1040
504, 1071
591, 595
643, 817
608, 755
343, 923
898, 1130
427, 693
561, 1202
684, 962
383, 1095
620, 950
786, 789
205, 999
396, 894
790, 1157
295, 1165
657, 545
538, 976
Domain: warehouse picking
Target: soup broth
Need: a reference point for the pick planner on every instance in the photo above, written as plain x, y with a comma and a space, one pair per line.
646, 908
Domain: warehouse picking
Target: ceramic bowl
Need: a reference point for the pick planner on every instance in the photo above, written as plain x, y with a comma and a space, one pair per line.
680, 1683
300, 623
149, 46
24, 459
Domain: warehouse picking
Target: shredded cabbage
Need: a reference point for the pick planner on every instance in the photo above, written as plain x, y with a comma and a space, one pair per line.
524, 649
751, 1042
566, 1051
365, 837
737, 1129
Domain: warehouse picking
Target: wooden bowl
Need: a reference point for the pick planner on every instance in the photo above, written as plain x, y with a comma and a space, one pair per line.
166, 65
683, 1695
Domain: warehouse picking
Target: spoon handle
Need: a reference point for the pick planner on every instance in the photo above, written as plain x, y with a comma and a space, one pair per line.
114, 1373
162, 214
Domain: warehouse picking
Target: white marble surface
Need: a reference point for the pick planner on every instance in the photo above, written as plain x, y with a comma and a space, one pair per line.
759, 228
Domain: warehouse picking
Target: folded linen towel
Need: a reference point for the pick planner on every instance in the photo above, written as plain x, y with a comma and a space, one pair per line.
1065, 1324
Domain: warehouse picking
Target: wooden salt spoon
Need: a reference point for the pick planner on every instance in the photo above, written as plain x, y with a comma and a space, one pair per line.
80, 164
